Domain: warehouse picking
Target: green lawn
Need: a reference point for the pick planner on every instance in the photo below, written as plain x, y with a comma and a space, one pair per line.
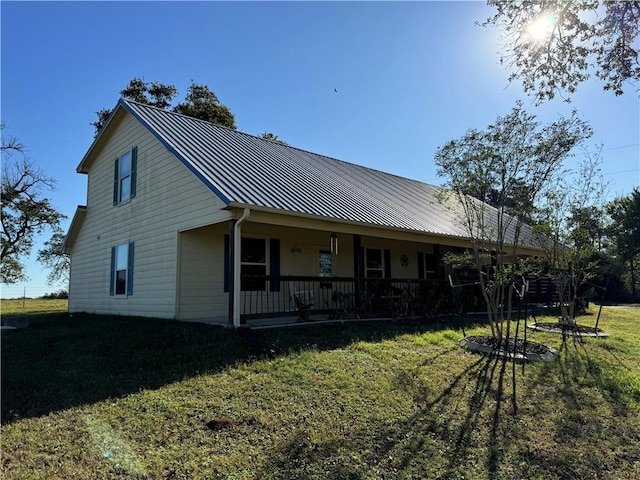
31, 306
106, 397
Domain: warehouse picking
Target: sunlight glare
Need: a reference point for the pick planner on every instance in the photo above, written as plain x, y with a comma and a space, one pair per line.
542, 27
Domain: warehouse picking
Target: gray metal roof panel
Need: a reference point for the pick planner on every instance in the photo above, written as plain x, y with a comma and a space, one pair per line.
249, 170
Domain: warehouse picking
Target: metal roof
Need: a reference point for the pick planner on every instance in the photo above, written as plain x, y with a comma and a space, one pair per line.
250, 171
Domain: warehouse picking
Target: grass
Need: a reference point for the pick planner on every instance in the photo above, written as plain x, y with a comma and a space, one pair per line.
112, 397
31, 306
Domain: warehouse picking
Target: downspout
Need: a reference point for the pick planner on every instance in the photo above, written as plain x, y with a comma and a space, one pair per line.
237, 233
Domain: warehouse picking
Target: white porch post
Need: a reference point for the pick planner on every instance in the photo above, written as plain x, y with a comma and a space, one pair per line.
237, 235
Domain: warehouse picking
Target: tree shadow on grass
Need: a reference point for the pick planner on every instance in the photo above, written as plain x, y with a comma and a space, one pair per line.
593, 423
60, 362
582, 366
434, 442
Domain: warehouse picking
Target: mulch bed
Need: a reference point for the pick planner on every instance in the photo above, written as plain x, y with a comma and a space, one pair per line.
510, 345
576, 329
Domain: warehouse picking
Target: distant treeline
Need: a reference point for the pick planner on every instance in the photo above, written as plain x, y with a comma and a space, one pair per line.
60, 295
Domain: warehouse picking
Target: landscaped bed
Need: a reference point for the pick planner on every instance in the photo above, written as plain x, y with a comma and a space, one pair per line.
108, 397
568, 329
510, 348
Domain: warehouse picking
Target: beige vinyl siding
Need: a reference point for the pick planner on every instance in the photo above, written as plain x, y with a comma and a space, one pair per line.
302, 261
201, 275
169, 198
312, 241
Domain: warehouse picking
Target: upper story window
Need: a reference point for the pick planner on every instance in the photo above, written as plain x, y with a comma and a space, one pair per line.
124, 182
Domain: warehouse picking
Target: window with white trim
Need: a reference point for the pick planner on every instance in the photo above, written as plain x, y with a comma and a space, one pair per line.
325, 263
253, 261
430, 266
124, 182
374, 263
122, 270
325, 266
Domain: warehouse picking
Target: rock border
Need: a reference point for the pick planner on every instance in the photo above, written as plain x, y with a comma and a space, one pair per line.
472, 346
570, 333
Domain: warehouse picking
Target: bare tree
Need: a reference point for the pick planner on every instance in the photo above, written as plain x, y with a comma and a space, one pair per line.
25, 211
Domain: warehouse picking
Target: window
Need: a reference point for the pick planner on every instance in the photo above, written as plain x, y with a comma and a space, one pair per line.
325, 263
253, 261
430, 266
122, 270
124, 183
325, 266
374, 263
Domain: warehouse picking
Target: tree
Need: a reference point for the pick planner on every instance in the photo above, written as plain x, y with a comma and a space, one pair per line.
625, 233
511, 161
552, 45
570, 254
589, 226
155, 94
25, 211
55, 259
200, 102
272, 138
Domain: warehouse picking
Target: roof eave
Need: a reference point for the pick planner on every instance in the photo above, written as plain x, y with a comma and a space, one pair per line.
100, 138
74, 228
341, 221
524, 249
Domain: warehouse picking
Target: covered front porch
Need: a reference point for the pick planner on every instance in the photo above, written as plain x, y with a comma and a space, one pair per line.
307, 299
264, 268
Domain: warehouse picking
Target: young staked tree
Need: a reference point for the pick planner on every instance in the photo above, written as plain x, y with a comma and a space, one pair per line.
564, 235
26, 212
509, 164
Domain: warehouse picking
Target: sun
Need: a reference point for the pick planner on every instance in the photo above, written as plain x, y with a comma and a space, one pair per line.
541, 27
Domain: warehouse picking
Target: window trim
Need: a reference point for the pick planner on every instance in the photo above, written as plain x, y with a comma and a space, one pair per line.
430, 259
367, 269
128, 285
266, 264
273, 261
319, 252
132, 175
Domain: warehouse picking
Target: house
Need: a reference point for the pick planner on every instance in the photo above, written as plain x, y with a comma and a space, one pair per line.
193, 221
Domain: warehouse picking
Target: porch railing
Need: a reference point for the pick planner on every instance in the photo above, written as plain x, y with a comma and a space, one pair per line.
347, 297
344, 297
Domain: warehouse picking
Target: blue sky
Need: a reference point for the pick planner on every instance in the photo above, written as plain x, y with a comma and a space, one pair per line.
409, 76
